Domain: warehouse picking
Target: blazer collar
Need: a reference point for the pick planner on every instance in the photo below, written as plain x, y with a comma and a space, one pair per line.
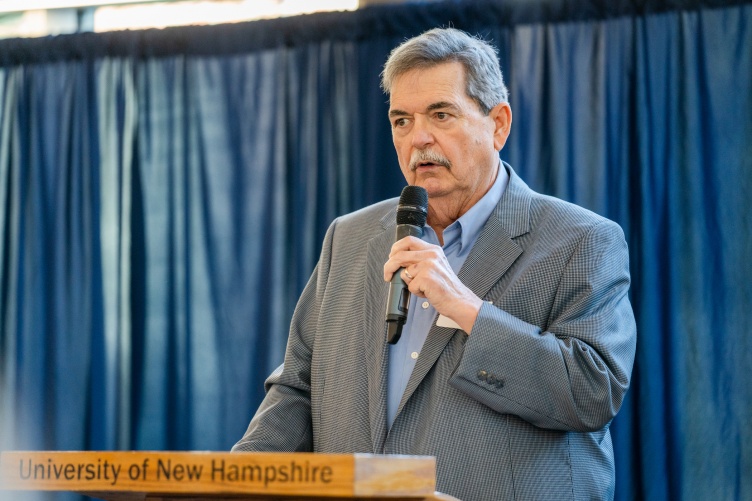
513, 210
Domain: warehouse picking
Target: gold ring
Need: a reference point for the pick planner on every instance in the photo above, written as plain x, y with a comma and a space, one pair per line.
407, 273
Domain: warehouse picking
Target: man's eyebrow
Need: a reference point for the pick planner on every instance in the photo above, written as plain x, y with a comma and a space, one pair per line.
431, 107
441, 105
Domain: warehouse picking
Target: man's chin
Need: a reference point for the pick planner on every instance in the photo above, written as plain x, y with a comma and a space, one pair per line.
433, 186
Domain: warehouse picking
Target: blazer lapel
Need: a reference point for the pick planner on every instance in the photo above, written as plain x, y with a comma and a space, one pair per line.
491, 256
376, 351
496, 249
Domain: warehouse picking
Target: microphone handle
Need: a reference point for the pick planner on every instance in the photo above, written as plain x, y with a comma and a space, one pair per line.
398, 299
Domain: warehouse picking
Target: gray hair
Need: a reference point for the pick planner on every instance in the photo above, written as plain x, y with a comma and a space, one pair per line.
485, 84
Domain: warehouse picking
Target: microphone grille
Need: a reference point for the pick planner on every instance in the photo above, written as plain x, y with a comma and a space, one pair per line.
413, 206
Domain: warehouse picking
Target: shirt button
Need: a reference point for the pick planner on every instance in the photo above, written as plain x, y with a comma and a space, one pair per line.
414, 355
425, 305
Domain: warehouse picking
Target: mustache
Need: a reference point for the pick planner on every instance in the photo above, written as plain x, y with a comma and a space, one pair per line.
420, 156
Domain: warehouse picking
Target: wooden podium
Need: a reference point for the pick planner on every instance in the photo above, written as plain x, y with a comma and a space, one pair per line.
215, 476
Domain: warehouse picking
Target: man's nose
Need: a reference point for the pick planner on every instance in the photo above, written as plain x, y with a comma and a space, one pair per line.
422, 135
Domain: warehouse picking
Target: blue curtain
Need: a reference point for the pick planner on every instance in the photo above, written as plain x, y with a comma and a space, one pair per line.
164, 193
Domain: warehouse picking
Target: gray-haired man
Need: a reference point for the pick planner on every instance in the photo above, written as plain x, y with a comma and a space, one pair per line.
519, 344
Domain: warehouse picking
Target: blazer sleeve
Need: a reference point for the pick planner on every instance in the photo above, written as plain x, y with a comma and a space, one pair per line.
282, 422
573, 374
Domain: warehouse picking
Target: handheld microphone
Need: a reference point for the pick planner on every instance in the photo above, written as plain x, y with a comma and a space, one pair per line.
412, 212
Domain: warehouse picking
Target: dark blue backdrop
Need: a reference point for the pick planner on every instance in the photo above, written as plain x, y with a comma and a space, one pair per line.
163, 196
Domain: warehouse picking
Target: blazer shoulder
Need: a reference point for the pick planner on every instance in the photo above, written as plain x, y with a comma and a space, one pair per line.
352, 231
523, 210
551, 211
371, 218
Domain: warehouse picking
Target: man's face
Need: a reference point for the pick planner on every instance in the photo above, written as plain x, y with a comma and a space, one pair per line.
444, 142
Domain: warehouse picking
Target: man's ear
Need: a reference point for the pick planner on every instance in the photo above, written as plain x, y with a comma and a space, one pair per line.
501, 114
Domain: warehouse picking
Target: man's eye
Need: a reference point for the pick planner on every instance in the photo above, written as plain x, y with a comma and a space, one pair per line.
400, 122
441, 115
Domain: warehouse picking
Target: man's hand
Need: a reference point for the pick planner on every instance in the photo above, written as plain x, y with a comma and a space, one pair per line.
427, 274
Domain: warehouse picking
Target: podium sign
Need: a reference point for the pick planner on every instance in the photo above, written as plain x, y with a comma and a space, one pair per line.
213, 475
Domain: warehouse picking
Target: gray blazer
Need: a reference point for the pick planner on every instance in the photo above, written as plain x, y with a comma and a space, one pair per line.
520, 409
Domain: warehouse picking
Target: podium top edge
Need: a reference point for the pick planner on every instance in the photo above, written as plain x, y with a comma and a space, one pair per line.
358, 456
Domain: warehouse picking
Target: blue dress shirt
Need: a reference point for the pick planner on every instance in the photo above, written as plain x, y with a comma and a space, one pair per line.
459, 238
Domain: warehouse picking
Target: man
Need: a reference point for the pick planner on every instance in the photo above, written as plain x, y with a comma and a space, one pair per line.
520, 338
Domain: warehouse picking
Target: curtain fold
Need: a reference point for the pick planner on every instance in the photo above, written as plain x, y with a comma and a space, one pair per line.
164, 194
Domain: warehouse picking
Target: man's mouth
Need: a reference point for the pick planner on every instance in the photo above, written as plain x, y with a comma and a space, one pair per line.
421, 165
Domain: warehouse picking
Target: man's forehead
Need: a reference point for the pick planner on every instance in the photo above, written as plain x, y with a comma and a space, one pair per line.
450, 72
423, 87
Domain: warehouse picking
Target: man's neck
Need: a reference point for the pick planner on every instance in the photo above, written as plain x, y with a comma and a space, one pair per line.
444, 211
